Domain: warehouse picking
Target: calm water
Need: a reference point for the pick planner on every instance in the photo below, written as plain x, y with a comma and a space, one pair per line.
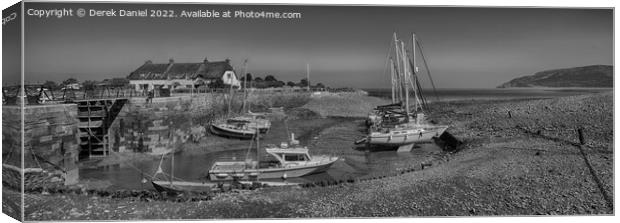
352, 163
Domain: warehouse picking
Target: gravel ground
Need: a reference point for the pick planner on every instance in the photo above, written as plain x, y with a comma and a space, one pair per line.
525, 163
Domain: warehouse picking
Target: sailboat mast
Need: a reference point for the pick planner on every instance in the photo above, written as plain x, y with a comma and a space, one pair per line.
393, 81
406, 73
257, 148
171, 168
414, 71
230, 93
398, 68
308, 75
245, 79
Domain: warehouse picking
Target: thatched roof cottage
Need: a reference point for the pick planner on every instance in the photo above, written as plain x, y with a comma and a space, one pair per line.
182, 75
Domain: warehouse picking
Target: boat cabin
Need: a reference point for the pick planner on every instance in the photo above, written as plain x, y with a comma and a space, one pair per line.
238, 123
286, 155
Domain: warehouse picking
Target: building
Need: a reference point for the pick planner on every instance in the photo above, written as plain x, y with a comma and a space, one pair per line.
173, 75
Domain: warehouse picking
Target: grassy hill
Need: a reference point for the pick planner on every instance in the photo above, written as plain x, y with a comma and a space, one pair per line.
587, 76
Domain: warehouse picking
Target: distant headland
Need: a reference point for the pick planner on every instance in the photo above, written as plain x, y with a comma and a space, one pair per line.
586, 76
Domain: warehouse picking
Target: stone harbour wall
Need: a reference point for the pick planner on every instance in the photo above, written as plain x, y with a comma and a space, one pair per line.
159, 126
50, 142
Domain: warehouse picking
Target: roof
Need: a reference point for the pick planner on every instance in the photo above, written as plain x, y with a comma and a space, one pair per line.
172, 70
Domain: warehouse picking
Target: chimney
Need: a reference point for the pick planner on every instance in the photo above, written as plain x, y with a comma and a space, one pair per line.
205, 61
171, 61
148, 62
228, 60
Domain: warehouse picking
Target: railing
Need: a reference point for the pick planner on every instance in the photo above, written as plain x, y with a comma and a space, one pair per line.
37, 94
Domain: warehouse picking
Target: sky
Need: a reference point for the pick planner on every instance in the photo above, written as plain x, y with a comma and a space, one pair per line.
345, 46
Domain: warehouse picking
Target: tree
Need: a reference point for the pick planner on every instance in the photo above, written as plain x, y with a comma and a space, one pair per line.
218, 83
89, 85
279, 84
303, 82
258, 79
270, 78
291, 84
70, 81
50, 85
248, 77
320, 85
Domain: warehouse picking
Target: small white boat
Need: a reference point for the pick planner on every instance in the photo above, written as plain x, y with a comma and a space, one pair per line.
289, 162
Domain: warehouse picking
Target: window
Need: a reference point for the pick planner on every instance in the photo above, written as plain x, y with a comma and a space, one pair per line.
295, 157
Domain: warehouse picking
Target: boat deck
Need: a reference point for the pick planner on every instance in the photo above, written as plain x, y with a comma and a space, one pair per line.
229, 166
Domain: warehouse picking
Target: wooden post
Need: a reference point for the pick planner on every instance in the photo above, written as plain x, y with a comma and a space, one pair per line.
509, 114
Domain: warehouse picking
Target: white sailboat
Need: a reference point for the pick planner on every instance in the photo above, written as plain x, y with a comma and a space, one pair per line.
403, 127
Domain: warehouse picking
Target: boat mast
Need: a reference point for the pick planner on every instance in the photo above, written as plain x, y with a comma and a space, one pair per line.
231, 96
308, 75
414, 71
245, 79
393, 81
398, 68
406, 73
171, 168
257, 151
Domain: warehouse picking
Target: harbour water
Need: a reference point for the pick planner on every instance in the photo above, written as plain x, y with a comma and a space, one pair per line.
354, 162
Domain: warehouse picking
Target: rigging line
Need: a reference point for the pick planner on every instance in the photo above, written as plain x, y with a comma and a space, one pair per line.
247, 154
93, 135
387, 59
34, 156
37, 158
8, 156
428, 69
286, 127
422, 97
159, 166
417, 86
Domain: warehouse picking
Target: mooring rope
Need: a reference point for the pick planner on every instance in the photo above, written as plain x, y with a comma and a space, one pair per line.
428, 69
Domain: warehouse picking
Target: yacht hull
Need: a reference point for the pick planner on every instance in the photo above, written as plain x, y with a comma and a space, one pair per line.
232, 133
405, 137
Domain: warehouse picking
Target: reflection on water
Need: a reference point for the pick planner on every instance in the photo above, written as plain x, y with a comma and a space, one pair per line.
352, 163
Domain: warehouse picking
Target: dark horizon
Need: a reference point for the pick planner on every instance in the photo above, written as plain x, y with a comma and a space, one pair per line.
345, 46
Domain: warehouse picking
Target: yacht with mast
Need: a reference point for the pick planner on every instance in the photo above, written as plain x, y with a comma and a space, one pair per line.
243, 126
402, 123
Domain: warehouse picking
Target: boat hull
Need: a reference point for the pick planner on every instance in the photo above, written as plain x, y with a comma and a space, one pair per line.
226, 132
270, 173
178, 187
405, 137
